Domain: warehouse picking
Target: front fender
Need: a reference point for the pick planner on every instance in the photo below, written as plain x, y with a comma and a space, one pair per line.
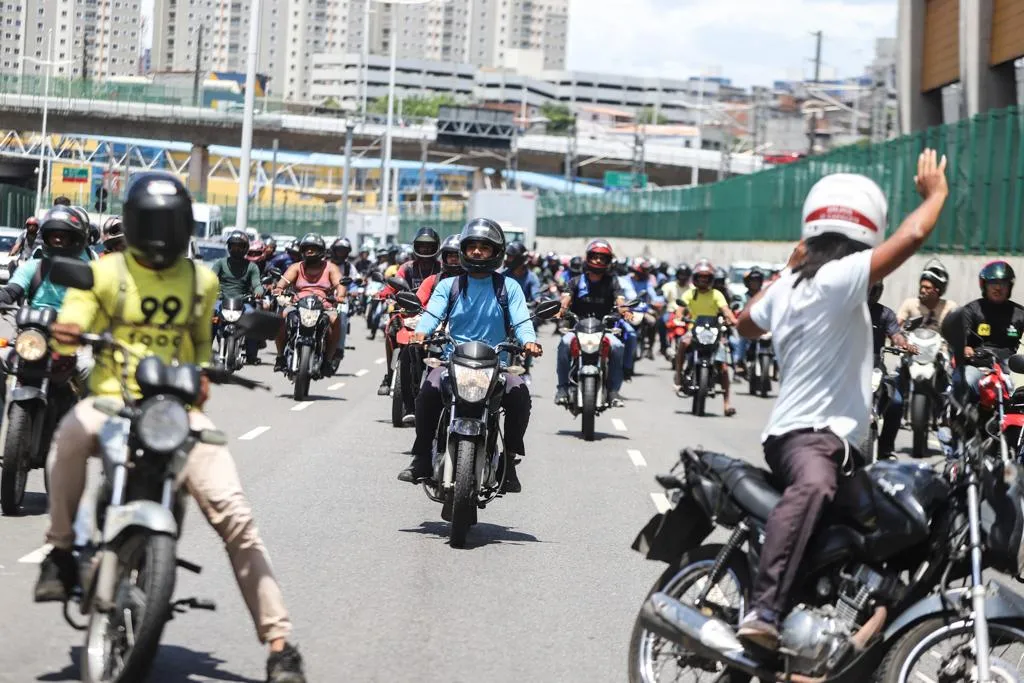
1001, 603
138, 513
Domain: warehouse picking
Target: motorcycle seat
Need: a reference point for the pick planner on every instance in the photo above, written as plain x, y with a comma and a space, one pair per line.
751, 487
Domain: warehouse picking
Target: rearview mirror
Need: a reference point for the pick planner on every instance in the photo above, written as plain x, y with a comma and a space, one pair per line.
546, 310
680, 302
1016, 363
398, 284
260, 325
346, 281
376, 276
71, 273
408, 302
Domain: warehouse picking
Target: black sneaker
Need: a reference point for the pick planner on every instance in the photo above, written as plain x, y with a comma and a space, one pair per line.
58, 576
512, 483
385, 386
416, 472
285, 666
614, 400
279, 364
561, 396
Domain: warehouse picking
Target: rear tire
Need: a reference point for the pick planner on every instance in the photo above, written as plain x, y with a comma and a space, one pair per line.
464, 494
397, 400
920, 420
302, 373
16, 456
589, 391
765, 367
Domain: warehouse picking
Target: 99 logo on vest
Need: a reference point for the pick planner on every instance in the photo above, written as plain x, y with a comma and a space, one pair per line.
150, 306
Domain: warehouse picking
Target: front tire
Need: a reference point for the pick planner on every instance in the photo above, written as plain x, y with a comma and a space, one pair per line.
700, 396
464, 494
397, 399
765, 367
589, 391
16, 456
920, 420
151, 559
302, 373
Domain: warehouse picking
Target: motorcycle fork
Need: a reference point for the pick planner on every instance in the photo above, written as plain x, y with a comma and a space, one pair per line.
736, 539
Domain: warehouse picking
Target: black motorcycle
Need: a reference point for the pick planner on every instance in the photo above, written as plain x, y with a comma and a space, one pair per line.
469, 451
873, 598
760, 365
307, 329
230, 344
701, 374
38, 392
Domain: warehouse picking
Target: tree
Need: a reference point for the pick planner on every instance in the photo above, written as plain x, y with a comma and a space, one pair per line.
560, 119
646, 116
415, 106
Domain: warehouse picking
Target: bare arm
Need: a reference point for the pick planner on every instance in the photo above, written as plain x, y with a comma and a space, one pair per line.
287, 279
915, 229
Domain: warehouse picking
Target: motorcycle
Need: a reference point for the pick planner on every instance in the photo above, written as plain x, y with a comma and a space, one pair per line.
760, 365
883, 386
38, 392
269, 280
701, 374
374, 304
230, 345
926, 381
646, 328
407, 364
469, 452
127, 569
873, 599
305, 350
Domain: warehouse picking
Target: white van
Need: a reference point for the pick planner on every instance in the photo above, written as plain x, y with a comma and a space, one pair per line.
208, 221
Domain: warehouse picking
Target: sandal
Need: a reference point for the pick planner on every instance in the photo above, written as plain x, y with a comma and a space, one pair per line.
729, 412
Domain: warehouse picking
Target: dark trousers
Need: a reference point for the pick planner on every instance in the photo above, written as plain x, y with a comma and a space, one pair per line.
808, 463
891, 420
430, 402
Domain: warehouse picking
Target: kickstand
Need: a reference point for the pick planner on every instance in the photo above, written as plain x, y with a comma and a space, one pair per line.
67, 617
181, 606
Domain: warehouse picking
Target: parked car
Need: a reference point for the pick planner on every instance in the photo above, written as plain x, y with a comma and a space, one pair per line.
209, 251
7, 238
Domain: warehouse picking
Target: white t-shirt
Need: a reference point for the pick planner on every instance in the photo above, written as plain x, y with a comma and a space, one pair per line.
821, 331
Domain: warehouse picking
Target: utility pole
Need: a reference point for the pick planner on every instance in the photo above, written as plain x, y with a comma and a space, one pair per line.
817, 57
638, 157
85, 53
350, 128
812, 123
570, 155
199, 55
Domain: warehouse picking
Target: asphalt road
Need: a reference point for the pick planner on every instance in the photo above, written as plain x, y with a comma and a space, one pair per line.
546, 590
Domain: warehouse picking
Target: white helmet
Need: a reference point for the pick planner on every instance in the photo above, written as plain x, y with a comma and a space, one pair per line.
849, 204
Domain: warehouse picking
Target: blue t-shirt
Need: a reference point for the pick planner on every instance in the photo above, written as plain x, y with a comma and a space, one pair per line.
48, 294
528, 282
477, 315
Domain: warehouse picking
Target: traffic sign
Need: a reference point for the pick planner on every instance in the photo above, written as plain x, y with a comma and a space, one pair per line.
623, 180
75, 175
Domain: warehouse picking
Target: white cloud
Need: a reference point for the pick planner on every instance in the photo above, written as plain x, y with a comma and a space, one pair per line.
749, 41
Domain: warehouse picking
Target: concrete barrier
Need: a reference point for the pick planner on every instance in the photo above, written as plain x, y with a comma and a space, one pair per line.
963, 270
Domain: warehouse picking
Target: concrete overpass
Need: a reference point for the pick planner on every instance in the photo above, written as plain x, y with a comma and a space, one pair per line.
202, 127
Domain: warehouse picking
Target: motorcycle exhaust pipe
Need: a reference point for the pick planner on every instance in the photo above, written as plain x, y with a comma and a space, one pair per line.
703, 635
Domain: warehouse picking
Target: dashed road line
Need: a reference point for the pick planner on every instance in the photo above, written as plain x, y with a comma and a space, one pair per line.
660, 502
360, 373
253, 433
380, 361
37, 555
302, 406
335, 387
637, 458
618, 424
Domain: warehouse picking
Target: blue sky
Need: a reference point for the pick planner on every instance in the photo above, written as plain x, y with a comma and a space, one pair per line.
749, 41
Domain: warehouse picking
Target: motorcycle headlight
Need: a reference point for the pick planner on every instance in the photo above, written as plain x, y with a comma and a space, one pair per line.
162, 425
230, 316
706, 336
471, 384
30, 345
411, 323
308, 317
589, 343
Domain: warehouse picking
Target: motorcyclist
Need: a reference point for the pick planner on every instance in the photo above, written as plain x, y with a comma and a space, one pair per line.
928, 304
885, 326
25, 243
753, 280
476, 314
705, 300
992, 322
239, 277
341, 249
451, 265
269, 250
516, 268
287, 258
818, 316
257, 255
674, 290
363, 263
314, 275
158, 226
641, 282
112, 236
61, 234
426, 248
596, 293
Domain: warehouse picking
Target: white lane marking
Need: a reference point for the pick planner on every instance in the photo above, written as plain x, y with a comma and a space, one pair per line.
360, 373
618, 424
380, 361
37, 555
660, 502
302, 406
253, 433
637, 458
335, 387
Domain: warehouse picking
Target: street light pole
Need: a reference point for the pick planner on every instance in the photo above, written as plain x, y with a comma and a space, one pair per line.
700, 132
242, 204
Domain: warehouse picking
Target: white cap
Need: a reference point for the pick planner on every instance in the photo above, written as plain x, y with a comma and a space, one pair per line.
848, 204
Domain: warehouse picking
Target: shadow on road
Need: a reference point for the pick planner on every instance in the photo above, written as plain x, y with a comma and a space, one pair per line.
173, 664
480, 534
598, 436
313, 397
33, 504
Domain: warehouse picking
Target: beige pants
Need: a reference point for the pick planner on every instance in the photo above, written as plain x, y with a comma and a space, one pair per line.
210, 476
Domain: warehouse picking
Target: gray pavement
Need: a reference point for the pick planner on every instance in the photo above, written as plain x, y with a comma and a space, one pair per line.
546, 590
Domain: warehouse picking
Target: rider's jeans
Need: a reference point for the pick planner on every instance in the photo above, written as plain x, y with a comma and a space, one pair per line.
739, 348
891, 420
629, 341
615, 355
209, 475
807, 462
430, 402
252, 346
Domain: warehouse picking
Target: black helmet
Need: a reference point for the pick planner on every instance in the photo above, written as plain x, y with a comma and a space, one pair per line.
158, 218
515, 255
937, 275
240, 241
63, 233
754, 273
270, 242
292, 249
720, 275
112, 233
426, 245
315, 246
683, 271
576, 265
482, 230
996, 271
448, 247
341, 248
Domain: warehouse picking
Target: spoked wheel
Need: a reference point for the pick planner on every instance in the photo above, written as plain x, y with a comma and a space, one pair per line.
938, 652
652, 659
120, 645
